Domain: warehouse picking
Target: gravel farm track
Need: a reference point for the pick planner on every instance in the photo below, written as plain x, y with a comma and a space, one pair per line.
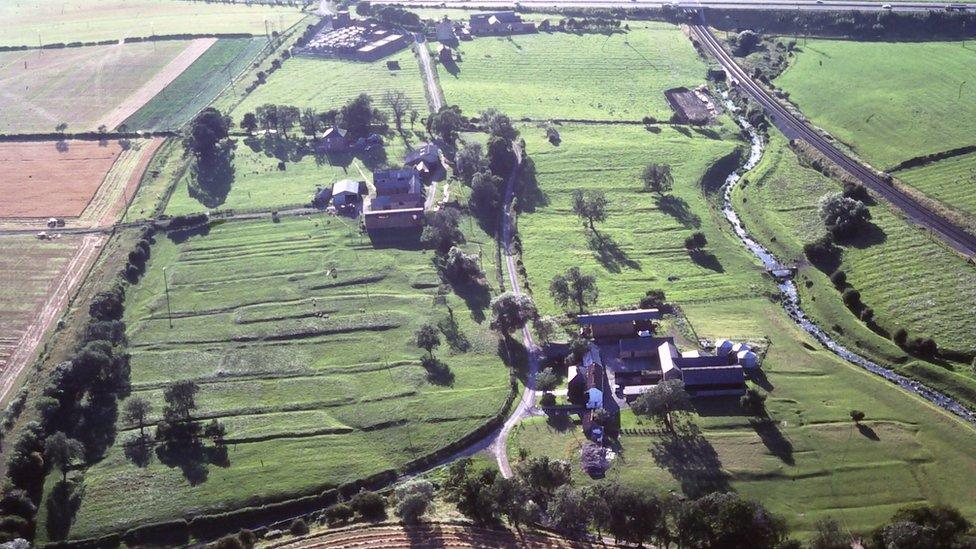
427, 535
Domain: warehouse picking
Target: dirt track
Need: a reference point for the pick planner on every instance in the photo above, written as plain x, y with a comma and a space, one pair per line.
163, 78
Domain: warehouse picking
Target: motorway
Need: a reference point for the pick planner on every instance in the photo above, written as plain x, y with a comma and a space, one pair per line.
797, 5
954, 236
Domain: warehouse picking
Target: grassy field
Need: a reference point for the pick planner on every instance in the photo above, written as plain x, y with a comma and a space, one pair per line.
809, 461
910, 280
258, 183
640, 246
324, 84
197, 86
952, 181
888, 101
39, 93
282, 349
26, 22
559, 75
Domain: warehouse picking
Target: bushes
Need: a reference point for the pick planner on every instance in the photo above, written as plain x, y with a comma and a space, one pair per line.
900, 337
298, 527
369, 505
839, 279
852, 298
173, 532
841, 215
822, 252
339, 513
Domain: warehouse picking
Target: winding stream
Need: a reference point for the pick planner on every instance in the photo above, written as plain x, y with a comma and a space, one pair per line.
791, 299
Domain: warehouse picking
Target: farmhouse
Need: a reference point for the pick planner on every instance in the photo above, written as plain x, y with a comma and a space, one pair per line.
444, 30
589, 389
333, 140
618, 323
406, 218
499, 22
426, 160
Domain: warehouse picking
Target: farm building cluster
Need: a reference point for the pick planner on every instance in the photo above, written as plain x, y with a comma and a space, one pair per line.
397, 200
625, 359
346, 38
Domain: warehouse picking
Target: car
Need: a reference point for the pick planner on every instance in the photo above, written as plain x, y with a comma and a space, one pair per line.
886, 7
820, 1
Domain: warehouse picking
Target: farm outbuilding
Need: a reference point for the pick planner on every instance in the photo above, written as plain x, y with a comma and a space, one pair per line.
345, 194
619, 323
747, 359
407, 218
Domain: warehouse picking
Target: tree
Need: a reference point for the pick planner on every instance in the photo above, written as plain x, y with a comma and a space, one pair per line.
501, 156
657, 178
310, 122
829, 536
486, 199
696, 241
746, 42
499, 124
754, 402
61, 127
468, 161
180, 400
288, 116
545, 328
61, 451
573, 287
137, 410
567, 510
653, 299
413, 117
428, 338
441, 231
369, 505
338, 513
546, 380
356, 116
207, 130
590, 206
733, 522
510, 312
857, 416
662, 401
414, 499
460, 266
446, 123
943, 524
543, 476
842, 216
267, 116
249, 122
399, 104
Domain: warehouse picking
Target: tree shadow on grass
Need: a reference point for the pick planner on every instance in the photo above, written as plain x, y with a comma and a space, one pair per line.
182, 235
719, 406
773, 438
438, 372
62, 505
609, 253
692, 461
868, 235
374, 159
514, 354
452, 332
530, 196
706, 260
138, 450
678, 208
560, 422
211, 179
192, 457
868, 432
476, 296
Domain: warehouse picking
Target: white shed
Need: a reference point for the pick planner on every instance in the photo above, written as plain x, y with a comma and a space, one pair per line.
723, 346
594, 399
747, 359
739, 347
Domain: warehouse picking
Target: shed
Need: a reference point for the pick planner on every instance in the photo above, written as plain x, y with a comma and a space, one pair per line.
640, 347
723, 346
739, 347
747, 359
619, 323
345, 192
594, 399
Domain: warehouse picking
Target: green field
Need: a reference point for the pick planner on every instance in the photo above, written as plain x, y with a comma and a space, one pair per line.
258, 183
282, 349
27, 22
324, 84
952, 181
909, 280
642, 246
810, 461
197, 86
39, 92
578, 76
888, 101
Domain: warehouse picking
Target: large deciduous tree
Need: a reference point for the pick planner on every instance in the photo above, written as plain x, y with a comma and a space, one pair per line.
206, 132
574, 287
510, 312
662, 401
657, 178
428, 338
590, 206
61, 451
843, 216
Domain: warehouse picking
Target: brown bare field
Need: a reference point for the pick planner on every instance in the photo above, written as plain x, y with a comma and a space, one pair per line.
41, 181
37, 278
167, 74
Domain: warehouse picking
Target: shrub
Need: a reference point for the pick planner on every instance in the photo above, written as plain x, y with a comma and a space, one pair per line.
857, 416
839, 278
852, 298
369, 505
901, 337
547, 399
843, 216
867, 314
338, 513
228, 542
298, 527
822, 250
653, 299
924, 347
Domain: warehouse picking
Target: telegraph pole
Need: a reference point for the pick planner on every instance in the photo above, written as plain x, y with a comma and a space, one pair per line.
169, 312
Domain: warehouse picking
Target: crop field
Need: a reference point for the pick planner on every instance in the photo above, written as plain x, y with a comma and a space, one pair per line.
259, 183
909, 280
640, 246
27, 22
324, 84
197, 86
809, 461
300, 335
888, 101
600, 77
82, 87
29, 269
952, 181
41, 181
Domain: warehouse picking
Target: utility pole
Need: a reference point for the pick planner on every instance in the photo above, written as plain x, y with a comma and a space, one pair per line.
961, 84
169, 311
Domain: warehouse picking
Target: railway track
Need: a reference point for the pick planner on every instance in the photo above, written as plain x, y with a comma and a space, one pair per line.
954, 236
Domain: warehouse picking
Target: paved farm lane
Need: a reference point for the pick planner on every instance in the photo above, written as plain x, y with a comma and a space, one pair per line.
953, 235
433, 90
525, 405
790, 5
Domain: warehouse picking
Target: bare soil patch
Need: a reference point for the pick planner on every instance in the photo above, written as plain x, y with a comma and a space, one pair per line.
41, 181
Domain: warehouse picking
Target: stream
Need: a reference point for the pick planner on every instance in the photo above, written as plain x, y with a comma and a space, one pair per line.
791, 299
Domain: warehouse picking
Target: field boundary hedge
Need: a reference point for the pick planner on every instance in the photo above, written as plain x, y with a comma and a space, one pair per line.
129, 40
918, 161
82, 136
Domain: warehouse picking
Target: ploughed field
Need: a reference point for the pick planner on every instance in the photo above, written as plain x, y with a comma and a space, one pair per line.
323, 84
641, 244
87, 87
300, 335
889, 101
26, 22
621, 76
910, 280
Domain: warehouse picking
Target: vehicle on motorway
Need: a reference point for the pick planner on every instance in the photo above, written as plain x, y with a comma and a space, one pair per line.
886, 7
957, 7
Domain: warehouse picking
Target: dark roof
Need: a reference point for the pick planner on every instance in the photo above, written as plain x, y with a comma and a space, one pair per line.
334, 131
428, 153
400, 181
703, 361
619, 316
714, 375
643, 343
502, 16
